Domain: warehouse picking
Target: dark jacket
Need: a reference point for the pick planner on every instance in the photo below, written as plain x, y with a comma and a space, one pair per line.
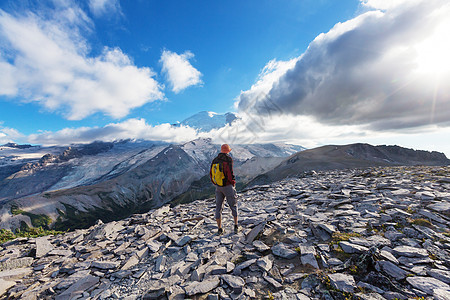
227, 163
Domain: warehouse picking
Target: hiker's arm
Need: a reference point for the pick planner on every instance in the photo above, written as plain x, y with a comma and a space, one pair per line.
233, 179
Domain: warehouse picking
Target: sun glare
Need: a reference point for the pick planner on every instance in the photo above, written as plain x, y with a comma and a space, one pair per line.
433, 54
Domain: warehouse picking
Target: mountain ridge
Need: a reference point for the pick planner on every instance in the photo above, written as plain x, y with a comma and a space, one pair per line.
358, 155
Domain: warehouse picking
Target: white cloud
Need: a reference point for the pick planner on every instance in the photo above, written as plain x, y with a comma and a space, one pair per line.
8, 135
299, 130
104, 7
128, 129
385, 70
47, 61
179, 71
269, 75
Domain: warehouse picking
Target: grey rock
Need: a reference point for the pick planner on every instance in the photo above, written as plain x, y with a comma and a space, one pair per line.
441, 275
213, 297
235, 282
15, 274
327, 227
216, 270
5, 286
197, 274
161, 211
335, 261
243, 265
109, 231
367, 286
254, 232
230, 266
283, 251
105, 265
77, 289
309, 259
185, 240
260, 246
192, 256
61, 252
68, 281
441, 206
324, 247
374, 240
428, 214
310, 282
407, 261
391, 269
393, 235
15, 263
388, 255
153, 245
304, 250
184, 269
43, 246
369, 296
342, 282
294, 277
273, 282
394, 296
265, 263
419, 270
195, 287
352, 248
410, 251
427, 284
131, 262
160, 263
441, 294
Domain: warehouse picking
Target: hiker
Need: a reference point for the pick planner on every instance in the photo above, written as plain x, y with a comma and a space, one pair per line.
221, 174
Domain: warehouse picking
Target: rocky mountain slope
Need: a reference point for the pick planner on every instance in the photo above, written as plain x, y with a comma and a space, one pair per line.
379, 233
350, 156
110, 181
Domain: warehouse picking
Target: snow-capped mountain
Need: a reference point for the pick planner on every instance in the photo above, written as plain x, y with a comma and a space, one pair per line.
207, 120
77, 185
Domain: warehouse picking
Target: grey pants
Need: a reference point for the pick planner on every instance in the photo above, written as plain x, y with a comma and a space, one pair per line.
228, 192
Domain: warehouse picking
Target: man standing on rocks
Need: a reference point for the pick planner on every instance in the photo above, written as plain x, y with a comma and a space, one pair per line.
221, 174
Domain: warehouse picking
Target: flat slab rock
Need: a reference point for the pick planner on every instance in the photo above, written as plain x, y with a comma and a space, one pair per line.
410, 251
352, 248
43, 246
391, 269
78, 288
195, 287
343, 282
283, 251
5, 285
427, 284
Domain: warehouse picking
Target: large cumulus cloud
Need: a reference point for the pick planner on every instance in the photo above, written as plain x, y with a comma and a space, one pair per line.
45, 58
385, 69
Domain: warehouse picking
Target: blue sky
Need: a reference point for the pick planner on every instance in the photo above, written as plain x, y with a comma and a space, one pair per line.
75, 71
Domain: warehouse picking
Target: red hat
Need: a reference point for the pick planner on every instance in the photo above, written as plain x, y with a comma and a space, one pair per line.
225, 148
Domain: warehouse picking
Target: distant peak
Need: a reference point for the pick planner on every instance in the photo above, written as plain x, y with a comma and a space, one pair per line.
15, 145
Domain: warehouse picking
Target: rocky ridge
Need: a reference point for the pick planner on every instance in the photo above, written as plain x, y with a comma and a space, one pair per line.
378, 233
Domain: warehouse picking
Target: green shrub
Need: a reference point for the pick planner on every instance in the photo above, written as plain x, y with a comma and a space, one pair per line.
33, 232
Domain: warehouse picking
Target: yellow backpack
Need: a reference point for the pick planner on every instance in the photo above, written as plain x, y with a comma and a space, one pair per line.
217, 174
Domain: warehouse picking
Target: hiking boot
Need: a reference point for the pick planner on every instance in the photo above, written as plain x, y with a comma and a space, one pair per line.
219, 231
236, 228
